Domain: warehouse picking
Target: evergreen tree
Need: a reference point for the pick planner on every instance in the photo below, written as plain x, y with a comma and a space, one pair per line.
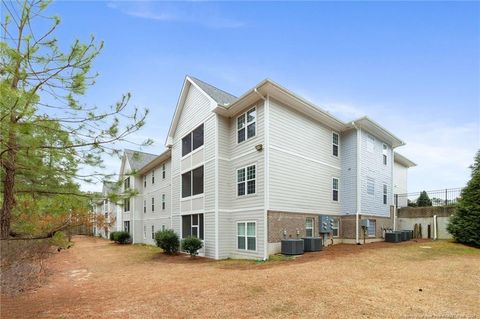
423, 200
464, 224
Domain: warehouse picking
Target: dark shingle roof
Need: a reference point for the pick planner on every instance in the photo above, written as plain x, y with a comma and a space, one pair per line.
138, 159
220, 96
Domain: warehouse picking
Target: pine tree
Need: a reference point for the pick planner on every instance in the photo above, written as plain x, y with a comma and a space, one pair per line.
423, 200
464, 224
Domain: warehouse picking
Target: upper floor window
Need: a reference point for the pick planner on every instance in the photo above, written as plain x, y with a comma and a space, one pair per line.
144, 206
246, 177
192, 141
192, 182
385, 194
163, 171
246, 125
385, 152
309, 225
145, 181
335, 189
370, 143
153, 176
126, 183
163, 202
153, 204
370, 186
126, 205
335, 139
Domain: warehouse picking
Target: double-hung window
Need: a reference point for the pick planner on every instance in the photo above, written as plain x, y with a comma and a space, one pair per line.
193, 140
385, 194
144, 206
153, 176
370, 186
246, 180
370, 143
126, 205
144, 181
371, 227
247, 236
163, 171
335, 226
246, 125
335, 189
163, 201
153, 232
192, 182
192, 225
309, 227
126, 183
144, 231
384, 154
335, 143
153, 204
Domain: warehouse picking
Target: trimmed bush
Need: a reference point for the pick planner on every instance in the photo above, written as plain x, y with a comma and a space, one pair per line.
121, 237
167, 240
112, 235
192, 245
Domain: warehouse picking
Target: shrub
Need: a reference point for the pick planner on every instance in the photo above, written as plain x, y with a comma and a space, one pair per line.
464, 224
121, 237
112, 235
192, 245
167, 240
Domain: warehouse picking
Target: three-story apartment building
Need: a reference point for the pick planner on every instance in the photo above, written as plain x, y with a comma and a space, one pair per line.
243, 173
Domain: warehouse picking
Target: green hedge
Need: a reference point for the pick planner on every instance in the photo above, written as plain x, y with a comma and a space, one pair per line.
192, 245
167, 240
120, 237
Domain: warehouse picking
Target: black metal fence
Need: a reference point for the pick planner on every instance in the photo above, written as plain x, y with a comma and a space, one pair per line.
441, 197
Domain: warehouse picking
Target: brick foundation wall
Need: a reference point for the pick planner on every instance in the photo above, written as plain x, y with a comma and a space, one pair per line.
347, 226
278, 221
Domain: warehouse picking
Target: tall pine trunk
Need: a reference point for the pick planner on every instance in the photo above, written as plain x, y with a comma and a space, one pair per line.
8, 163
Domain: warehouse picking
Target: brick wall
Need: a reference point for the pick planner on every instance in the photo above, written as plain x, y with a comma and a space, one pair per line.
347, 226
278, 221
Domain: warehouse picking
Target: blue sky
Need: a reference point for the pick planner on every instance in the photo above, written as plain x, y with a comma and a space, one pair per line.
411, 66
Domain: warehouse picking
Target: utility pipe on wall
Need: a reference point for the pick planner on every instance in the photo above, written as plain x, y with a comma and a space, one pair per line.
359, 186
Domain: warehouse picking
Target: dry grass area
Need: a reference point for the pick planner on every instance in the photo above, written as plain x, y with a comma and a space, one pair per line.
103, 280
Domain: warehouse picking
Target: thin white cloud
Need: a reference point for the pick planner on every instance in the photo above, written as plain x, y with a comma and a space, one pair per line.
203, 14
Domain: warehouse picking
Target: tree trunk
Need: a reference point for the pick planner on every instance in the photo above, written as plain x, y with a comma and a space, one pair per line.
8, 163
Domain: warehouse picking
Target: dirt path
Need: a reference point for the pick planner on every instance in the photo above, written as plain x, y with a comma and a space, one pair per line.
97, 279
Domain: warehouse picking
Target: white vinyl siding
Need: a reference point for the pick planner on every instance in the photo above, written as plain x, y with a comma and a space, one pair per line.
370, 186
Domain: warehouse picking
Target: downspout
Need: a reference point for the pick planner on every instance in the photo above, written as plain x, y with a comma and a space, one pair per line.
359, 186
266, 170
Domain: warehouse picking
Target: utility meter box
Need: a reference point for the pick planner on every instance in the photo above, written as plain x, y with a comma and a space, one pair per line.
326, 224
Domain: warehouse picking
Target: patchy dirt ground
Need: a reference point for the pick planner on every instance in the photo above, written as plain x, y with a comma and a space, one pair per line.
102, 280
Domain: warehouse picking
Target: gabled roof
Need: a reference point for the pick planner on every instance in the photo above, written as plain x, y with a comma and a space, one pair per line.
376, 129
156, 161
220, 96
402, 160
138, 159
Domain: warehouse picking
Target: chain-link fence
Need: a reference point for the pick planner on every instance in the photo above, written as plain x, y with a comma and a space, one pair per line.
441, 197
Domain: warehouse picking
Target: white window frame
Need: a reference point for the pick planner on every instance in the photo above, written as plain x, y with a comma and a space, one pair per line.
192, 151
246, 180
370, 142
144, 181
191, 183
338, 189
384, 154
371, 179
246, 125
144, 206
164, 205
337, 145
370, 222
163, 171
153, 232
385, 194
246, 236
312, 227
336, 227
153, 176
153, 204
144, 231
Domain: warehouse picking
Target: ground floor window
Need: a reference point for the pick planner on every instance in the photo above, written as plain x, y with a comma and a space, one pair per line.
153, 232
247, 236
126, 226
309, 227
144, 232
371, 227
192, 225
336, 227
